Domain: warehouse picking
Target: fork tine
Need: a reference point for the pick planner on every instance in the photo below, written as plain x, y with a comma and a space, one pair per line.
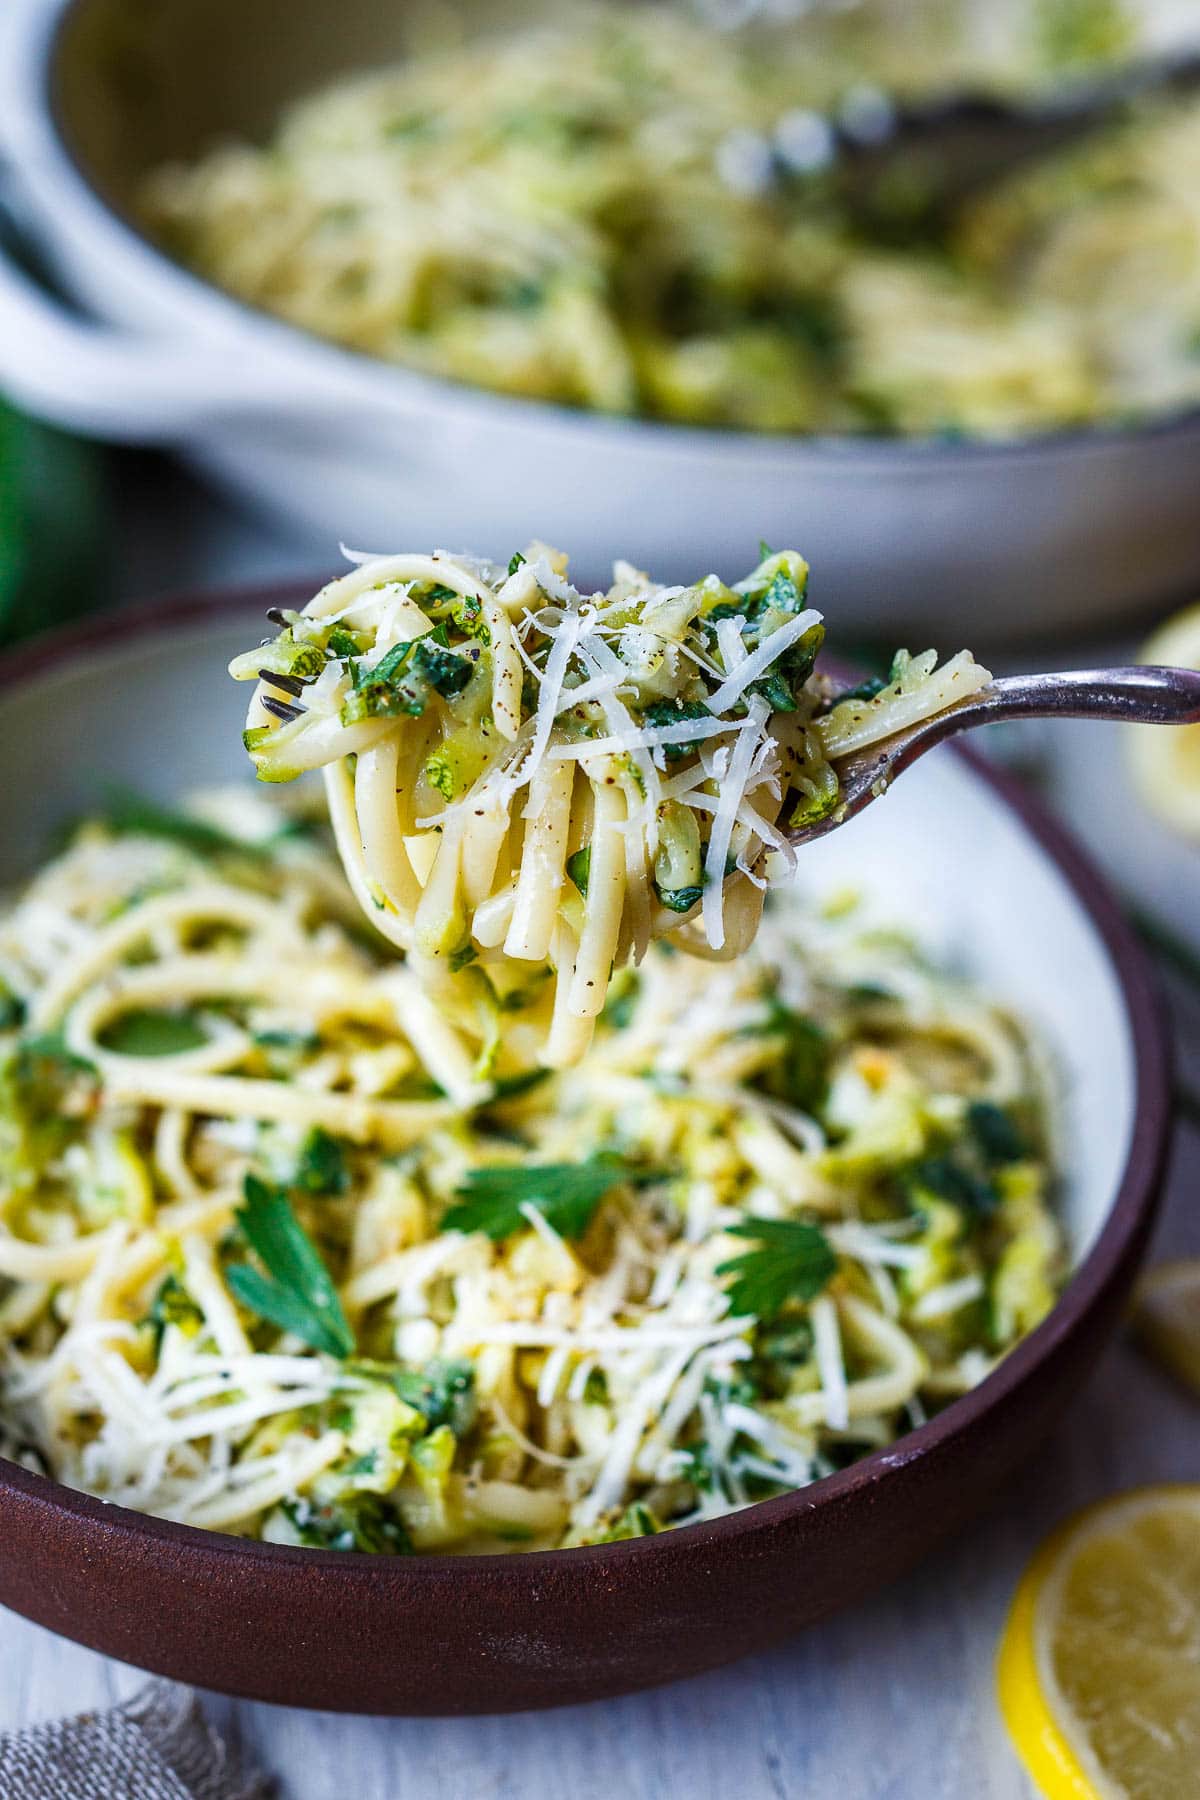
283, 709
291, 684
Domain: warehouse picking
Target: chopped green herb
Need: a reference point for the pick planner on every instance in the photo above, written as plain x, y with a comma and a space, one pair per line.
783, 594
783, 682
944, 1178
12, 1009
637, 1521
358, 1522
284, 1050
468, 616
674, 712
493, 1199
800, 1076
775, 690
46, 1095
173, 1305
390, 664
995, 1135
146, 1033
379, 693
695, 1465
579, 868
341, 645
126, 811
520, 998
296, 1293
515, 561
279, 1039
866, 690
595, 1388
622, 998
794, 1262
507, 1087
321, 1167
366, 1464
462, 957
740, 1389
443, 1391
787, 1341
443, 669
680, 900
868, 993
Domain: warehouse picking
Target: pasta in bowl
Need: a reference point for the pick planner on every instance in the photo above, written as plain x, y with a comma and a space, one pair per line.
529, 785
264, 1275
1015, 914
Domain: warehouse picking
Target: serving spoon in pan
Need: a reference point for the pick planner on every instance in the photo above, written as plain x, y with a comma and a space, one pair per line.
946, 147
1136, 696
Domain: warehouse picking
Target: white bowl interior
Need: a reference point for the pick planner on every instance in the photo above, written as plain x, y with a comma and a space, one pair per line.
942, 855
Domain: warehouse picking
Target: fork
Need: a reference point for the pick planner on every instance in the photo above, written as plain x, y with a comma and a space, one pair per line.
1142, 695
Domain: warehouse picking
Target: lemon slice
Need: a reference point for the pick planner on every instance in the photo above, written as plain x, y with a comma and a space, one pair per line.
1165, 761
1167, 1320
1099, 1667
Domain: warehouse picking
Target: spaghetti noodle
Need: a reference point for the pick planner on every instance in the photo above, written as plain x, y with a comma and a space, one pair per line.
529, 785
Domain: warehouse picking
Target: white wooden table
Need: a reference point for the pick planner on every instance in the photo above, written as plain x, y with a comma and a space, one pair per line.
892, 1700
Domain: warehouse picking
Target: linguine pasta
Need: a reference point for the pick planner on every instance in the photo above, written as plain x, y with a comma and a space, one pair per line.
265, 1268
528, 785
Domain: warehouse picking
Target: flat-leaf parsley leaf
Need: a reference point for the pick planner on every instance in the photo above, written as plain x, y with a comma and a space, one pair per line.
494, 1199
297, 1291
794, 1261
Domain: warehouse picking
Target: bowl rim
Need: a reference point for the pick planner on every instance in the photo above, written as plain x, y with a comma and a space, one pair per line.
1128, 1216
45, 41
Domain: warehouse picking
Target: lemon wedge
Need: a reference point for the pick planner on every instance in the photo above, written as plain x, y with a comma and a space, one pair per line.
1167, 1320
1165, 763
1099, 1666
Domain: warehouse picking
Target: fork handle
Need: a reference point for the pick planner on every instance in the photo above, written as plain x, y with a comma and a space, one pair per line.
1143, 695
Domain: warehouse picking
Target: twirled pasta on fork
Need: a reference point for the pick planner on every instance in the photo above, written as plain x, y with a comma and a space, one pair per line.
529, 784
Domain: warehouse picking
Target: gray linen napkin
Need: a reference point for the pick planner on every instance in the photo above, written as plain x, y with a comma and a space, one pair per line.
157, 1746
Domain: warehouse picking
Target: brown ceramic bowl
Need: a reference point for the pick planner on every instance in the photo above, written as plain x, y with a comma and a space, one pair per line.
141, 698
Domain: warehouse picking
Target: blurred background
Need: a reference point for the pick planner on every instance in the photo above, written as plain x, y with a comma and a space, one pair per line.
912, 286
881, 278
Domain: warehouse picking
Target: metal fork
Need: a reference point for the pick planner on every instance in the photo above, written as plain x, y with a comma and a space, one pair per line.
1139, 696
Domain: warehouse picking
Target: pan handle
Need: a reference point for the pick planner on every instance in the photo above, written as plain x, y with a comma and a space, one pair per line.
105, 383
